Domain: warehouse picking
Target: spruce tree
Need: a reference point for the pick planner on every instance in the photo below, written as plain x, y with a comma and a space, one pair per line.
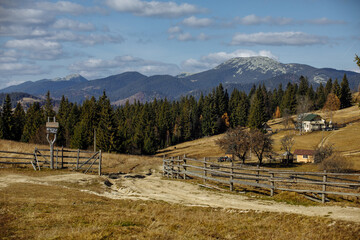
303, 86
345, 93
106, 128
257, 111
328, 87
336, 88
7, 121
19, 122
49, 108
320, 97
34, 119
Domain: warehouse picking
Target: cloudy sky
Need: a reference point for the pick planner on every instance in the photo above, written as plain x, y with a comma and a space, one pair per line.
98, 38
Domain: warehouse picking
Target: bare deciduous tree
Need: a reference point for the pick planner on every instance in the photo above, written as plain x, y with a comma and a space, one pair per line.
236, 141
286, 118
260, 143
303, 107
287, 142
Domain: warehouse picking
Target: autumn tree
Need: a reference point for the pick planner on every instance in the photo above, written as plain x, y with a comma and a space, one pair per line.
236, 141
332, 104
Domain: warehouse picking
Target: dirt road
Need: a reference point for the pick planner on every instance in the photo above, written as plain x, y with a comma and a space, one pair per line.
180, 192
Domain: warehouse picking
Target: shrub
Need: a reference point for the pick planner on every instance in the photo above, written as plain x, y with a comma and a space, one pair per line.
336, 163
323, 152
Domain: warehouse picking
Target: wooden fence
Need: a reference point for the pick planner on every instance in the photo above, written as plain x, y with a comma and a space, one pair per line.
314, 185
85, 161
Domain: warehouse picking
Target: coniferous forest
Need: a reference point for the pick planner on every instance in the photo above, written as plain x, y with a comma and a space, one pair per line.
143, 128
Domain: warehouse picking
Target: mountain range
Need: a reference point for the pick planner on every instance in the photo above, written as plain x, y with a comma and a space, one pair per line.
240, 73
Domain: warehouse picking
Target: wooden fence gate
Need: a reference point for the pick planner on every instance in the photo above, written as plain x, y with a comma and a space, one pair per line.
79, 160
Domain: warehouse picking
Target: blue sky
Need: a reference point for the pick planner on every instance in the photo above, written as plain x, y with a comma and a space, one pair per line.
48, 39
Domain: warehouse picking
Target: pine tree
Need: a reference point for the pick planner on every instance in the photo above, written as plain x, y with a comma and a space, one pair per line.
289, 99
62, 117
303, 86
49, 108
345, 93
7, 121
19, 122
34, 120
106, 128
328, 87
257, 115
336, 89
320, 97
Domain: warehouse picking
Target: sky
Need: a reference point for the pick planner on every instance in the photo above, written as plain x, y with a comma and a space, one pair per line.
99, 38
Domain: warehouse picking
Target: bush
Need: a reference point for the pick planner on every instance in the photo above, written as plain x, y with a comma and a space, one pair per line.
336, 163
323, 152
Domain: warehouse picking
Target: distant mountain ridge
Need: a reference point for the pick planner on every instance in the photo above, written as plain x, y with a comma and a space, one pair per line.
239, 73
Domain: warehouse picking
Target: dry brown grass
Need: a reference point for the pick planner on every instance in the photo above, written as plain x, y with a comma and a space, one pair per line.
29, 211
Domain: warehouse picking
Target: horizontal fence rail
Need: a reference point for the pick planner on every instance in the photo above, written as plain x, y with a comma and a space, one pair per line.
85, 161
318, 184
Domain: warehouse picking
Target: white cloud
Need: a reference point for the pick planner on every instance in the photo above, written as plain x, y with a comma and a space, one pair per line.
256, 20
214, 59
197, 22
96, 67
24, 16
278, 39
73, 25
66, 7
32, 44
324, 21
269, 20
179, 35
175, 29
10, 69
153, 8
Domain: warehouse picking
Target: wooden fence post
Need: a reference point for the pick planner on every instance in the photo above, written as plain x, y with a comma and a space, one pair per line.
57, 157
172, 167
62, 156
77, 159
205, 173
164, 167
232, 176
272, 184
323, 197
178, 167
184, 167
100, 162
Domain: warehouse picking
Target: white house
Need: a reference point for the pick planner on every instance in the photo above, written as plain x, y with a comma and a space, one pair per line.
313, 122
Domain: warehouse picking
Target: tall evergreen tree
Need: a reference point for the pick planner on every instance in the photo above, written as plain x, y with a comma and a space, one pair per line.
336, 88
7, 121
320, 97
303, 86
34, 120
257, 111
19, 122
106, 128
49, 108
345, 93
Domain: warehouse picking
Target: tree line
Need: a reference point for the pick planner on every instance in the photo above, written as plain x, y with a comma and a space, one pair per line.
143, 128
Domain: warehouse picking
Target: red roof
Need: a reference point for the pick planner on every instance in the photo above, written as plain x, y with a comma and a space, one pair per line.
304, 152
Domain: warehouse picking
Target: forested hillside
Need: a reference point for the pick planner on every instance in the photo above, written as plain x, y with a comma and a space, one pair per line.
143, 128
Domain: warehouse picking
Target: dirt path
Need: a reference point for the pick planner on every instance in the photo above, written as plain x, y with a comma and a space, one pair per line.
180, 192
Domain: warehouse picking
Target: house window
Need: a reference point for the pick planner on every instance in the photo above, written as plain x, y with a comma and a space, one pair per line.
305, 156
